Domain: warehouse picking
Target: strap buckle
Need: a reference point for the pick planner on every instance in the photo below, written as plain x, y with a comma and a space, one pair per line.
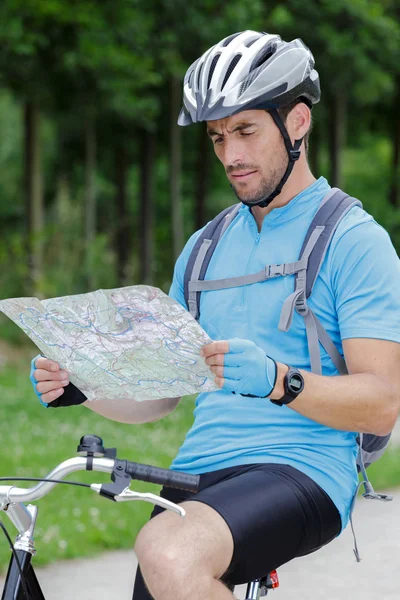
275, 271
301, 305
294, 155
378, 496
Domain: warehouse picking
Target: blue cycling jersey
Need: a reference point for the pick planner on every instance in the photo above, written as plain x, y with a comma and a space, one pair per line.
357, 294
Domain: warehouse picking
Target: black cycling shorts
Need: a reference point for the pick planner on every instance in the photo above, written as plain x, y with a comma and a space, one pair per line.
275, 513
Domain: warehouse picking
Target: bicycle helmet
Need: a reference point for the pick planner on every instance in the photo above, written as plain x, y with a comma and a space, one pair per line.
246, 71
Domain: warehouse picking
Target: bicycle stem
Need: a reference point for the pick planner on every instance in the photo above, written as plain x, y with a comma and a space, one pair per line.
21, 516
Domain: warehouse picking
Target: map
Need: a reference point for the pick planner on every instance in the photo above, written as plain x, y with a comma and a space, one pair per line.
131, 342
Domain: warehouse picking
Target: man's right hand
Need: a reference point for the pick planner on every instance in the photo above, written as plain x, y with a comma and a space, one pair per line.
48, 379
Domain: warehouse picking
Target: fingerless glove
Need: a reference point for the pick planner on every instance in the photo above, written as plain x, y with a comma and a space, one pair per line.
72, 396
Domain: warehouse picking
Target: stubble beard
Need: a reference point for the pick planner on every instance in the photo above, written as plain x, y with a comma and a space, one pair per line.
268, 183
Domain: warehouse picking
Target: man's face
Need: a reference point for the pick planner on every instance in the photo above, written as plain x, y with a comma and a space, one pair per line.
251, 148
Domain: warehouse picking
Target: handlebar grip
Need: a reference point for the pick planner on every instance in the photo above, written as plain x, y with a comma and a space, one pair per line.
172, 479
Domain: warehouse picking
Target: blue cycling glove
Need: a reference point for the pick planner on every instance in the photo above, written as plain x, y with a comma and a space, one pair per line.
72, 396
34, 382
248, 370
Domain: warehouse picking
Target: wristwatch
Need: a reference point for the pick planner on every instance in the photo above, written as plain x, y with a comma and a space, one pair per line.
293, 384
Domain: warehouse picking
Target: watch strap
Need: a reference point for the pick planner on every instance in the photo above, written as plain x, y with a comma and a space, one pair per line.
290, 394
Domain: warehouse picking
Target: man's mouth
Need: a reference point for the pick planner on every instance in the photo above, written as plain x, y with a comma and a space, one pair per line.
242, 175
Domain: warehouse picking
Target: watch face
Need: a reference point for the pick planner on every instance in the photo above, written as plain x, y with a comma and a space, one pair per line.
296, 383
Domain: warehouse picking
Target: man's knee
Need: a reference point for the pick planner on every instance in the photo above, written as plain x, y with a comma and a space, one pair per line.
201, 540
155, 547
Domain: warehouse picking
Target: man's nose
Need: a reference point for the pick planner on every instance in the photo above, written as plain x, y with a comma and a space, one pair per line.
232, 153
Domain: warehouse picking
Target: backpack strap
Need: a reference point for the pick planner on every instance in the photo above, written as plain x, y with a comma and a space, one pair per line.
201, 254
333, 208
335, 205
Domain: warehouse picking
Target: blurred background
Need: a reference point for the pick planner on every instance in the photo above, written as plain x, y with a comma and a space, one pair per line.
100, 188
98, 185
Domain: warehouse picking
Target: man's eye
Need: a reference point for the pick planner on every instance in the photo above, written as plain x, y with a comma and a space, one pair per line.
246, 133
218, 140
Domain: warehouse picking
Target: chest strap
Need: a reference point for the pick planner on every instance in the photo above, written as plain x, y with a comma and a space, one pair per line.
268, 272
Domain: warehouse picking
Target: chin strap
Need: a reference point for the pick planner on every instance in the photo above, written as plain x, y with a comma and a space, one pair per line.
293, 154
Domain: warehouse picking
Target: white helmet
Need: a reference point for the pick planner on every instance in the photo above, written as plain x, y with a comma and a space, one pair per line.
245, 71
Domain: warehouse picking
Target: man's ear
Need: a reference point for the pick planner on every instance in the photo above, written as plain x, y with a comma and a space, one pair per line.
298, 121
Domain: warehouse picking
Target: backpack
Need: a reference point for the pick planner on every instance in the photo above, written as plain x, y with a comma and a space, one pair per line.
334, 206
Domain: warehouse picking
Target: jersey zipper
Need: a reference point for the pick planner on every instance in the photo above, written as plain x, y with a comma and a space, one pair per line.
244, 290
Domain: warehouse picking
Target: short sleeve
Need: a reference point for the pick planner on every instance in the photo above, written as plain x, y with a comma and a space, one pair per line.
176, 290
365, 278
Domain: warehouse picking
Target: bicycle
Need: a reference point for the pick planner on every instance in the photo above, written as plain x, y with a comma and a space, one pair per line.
21, 582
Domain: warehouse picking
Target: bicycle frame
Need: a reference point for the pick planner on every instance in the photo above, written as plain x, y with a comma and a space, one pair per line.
261, 587
22, 515
25, 550
13, 589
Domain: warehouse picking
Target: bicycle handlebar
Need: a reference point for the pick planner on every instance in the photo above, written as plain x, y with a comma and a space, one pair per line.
10, 494
127, 469
173, 479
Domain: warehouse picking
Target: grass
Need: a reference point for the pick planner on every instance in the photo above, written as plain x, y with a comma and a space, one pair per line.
385, 473
74, 521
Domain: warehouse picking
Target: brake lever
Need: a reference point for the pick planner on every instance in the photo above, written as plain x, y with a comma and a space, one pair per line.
128, 494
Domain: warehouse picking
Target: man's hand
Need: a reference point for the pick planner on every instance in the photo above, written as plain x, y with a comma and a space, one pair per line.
241, 367
48, 379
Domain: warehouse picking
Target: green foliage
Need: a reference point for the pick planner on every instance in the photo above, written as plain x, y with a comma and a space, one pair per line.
84, 52
11, 204
385, 473
356, 44
371, 184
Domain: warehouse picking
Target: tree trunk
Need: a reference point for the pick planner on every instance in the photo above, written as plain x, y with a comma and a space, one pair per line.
33, 194
395, 176
175, 168
146, 237
337, 127
203, 178
90, 195
122, 232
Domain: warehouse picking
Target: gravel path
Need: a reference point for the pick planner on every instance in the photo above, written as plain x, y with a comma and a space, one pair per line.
329, 574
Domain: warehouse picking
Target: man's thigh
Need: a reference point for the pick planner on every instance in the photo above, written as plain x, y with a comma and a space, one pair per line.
275, 513
272, 512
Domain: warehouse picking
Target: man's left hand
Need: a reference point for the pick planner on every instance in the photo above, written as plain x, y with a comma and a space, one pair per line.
241, 367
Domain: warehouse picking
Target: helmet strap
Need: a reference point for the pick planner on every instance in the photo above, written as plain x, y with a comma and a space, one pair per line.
293, 155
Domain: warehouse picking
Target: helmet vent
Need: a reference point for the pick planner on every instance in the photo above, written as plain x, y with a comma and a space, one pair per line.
228, 73
249, 80
212, 69
230, 38
263, 56
199, 75
251, 42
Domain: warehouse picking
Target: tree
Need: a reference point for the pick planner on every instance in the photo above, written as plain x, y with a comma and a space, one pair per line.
56, 54
344, 39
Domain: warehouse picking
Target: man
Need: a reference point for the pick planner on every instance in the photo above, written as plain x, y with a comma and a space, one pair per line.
277, 481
